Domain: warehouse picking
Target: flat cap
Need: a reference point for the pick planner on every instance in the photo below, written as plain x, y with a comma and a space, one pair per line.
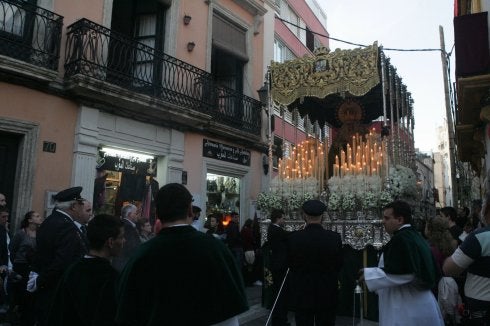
314, 207
68, 194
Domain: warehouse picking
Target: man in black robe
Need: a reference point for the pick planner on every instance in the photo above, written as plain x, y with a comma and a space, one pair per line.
315, 259
181, 276
86, 294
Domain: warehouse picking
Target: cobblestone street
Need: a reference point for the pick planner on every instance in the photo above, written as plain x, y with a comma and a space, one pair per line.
257, 315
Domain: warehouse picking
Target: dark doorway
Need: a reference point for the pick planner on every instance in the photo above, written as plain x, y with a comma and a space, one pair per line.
9, 148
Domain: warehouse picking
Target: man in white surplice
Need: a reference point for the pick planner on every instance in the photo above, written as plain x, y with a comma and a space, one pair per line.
405, 274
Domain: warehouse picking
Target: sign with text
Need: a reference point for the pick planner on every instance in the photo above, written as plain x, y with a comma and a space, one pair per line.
130, 165
225, 152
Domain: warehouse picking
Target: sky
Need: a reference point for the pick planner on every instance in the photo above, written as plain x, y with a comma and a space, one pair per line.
402, 24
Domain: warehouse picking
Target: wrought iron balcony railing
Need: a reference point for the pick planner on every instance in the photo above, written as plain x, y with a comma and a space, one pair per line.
30, 33
98, 52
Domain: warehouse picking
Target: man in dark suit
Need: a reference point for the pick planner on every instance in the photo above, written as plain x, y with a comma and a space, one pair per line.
129, 214
277, 236
61, 241
315, 260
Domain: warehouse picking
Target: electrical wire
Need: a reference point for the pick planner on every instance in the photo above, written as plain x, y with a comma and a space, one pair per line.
358, 44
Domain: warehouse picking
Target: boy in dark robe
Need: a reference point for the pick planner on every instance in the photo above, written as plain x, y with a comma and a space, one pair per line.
86, 294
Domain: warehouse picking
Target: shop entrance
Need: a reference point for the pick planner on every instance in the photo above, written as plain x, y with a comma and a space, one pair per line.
123, 178
223, 194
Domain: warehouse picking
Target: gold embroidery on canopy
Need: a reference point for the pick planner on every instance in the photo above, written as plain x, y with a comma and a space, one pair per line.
354, 71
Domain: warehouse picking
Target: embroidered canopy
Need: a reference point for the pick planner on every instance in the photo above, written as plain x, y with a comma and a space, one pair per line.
318, 85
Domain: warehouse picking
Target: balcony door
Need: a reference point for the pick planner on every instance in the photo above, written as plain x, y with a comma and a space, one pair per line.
137, 62
148, 63
228, 60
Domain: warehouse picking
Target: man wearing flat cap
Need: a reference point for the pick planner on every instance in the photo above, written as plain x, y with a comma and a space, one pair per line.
315, 260
61, 241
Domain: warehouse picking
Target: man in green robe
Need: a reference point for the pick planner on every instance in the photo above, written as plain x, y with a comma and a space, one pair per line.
405, 274
181, 276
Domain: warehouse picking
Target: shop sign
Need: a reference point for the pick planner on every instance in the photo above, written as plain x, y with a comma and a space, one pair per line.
225, 152
125, 164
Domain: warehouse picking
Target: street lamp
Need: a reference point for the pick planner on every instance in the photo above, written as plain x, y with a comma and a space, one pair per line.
264, 96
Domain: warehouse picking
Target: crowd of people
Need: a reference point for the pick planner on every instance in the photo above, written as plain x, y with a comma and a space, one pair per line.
73, 268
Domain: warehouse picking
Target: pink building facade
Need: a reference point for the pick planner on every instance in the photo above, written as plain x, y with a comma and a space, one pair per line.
119, 96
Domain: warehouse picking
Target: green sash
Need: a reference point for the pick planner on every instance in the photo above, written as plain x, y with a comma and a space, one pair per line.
408, 253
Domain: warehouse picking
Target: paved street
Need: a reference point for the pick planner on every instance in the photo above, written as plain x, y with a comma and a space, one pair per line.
257, 316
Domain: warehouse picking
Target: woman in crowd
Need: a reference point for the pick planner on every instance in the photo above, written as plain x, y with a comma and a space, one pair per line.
440, 240
22, 249
442, 245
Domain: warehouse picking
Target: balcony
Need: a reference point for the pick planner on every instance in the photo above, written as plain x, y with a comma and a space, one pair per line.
473, 83
29, 34
129, 78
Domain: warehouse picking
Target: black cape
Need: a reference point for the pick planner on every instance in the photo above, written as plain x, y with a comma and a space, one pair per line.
86, 295
180, 277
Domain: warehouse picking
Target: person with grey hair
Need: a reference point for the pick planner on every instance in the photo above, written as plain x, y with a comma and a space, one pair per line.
129, 215
61, 241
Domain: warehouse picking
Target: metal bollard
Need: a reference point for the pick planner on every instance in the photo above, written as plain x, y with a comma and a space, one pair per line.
358, 291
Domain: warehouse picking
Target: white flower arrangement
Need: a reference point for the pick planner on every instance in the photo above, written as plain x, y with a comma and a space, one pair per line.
334, 202
348, 202
385, 198
403, 182
334, 184
373, 183
369, 200
268, 201
308, 196
295, 201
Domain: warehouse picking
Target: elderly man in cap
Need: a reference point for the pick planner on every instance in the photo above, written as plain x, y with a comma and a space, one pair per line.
315, 260
61, 240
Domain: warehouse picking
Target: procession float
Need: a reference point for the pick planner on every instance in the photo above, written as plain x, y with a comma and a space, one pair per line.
366, 161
